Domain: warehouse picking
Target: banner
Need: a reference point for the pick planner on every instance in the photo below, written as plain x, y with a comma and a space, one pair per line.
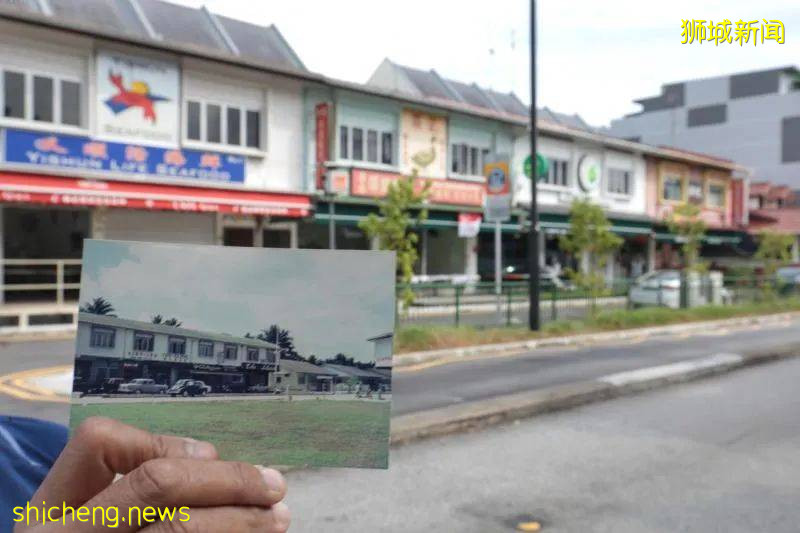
469, 224
374, 184
321, 112
423, 144
137, 99
48, 150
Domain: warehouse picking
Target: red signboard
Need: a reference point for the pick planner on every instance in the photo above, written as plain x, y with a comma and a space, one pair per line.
322, 152
51, 190
737, 202
375, 183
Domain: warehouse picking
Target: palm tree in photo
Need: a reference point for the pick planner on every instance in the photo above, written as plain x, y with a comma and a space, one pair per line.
159, 319
98, 306
282, 338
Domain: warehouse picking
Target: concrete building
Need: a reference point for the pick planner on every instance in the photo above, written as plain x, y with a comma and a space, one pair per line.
752, 118
300, 376
109, 347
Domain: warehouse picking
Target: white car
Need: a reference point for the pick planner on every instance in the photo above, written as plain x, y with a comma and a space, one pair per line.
142, 386
662, 287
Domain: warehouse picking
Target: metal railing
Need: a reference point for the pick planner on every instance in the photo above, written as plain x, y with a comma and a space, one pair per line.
40, 280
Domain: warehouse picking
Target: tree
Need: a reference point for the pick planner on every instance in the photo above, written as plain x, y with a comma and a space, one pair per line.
158, 319
392, 227
685, 222
98, 306
312, 359
591, 240
774, 250
282, 338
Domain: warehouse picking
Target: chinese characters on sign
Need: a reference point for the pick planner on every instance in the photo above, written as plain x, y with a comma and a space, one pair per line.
70, 152
374, 184
423, 144
742, 32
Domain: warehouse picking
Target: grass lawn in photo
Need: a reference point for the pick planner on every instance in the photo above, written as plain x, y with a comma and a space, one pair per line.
317, 432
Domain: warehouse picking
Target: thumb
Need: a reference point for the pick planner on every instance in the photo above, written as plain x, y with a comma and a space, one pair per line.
100, 449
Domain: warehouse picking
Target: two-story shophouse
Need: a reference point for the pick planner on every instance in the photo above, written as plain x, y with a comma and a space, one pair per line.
405, 122
111, 347
145, 120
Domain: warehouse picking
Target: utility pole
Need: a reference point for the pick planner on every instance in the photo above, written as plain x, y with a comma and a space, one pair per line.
533, 231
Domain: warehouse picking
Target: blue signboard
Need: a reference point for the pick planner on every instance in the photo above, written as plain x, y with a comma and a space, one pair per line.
43, 149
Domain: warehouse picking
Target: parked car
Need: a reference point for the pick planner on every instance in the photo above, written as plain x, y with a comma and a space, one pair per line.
111, 385
234, 388
788, 279
663, 288
206, 387
142, 386
187, 387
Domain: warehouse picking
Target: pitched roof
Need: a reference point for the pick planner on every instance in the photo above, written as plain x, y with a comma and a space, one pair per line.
166, 24
113, 321
354, 371
779, 220
290, 365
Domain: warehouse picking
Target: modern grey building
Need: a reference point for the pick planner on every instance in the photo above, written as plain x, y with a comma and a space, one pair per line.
752, 118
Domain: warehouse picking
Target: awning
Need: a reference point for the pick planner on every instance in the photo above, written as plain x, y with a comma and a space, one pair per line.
64, 191
556, 223
708, 238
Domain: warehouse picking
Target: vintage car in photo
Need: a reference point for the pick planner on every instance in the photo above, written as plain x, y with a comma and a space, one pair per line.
142, 386
187, 387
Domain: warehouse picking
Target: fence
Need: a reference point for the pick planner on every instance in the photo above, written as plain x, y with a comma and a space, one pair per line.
479, 305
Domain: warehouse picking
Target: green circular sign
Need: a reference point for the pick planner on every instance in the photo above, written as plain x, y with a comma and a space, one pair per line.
541, 166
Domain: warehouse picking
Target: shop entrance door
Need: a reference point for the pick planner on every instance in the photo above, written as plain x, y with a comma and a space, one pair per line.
238, 237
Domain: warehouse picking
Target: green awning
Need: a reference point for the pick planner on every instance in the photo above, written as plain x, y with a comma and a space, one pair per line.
558, 223
708, 238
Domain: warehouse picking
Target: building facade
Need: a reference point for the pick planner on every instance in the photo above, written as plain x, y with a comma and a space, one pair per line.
752, 118
111, 347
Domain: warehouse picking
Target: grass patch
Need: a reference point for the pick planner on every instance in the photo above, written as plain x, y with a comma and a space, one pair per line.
302, 432
432, 337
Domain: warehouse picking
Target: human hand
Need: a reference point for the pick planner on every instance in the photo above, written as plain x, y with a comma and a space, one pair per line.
160, 472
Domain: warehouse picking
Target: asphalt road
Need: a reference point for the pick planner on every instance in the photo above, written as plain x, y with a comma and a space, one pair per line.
485, 378
721, 454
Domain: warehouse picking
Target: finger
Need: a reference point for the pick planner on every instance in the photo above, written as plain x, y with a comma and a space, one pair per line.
175, 483
245, 519
101, 448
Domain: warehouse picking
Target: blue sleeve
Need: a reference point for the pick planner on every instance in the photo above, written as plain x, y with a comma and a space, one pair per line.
28, 448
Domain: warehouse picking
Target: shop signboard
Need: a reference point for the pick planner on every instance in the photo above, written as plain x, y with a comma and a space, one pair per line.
469, 224
374, 184
423, 144
321, 112
589, 173
43, 150
498, 191
137, 99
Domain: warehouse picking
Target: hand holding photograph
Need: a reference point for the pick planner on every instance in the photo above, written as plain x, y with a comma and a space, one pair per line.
279, 357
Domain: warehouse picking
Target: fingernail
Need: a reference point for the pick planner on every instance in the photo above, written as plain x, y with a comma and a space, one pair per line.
199, 450
280, 512
272, 478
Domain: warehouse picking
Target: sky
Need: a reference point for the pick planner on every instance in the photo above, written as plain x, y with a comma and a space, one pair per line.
331, 302
594, 57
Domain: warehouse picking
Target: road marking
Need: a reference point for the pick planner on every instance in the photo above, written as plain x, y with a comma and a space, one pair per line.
672, 369
18, 385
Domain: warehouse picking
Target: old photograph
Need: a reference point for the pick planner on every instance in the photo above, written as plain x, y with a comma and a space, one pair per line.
278, 357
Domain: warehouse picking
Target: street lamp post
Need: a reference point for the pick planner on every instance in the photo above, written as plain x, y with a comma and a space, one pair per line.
533, 231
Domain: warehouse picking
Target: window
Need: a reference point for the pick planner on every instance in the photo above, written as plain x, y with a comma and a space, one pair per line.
42, 99
193, 121
234, 128
70, 103
143, 342
252, 354
270, 355
468, 160
343, 141
672, 189
619, 181
205, 349
716, 195
177, 346
102, 338
301, 379
230, 351
218, 124
358, 144
372, 146
213, 123
695, 192
253, 129
387, 148
556, 173
14, 94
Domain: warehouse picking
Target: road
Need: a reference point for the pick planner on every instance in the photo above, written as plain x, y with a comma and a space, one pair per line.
721, 454
438, 386
485, 378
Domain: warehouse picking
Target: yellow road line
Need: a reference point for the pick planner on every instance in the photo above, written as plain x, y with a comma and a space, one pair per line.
17, 385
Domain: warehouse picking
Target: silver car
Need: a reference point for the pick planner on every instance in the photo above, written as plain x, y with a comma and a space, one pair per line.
662, 288
142, 386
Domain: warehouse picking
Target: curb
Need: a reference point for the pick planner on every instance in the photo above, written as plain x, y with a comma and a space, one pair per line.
415, 358
480, 414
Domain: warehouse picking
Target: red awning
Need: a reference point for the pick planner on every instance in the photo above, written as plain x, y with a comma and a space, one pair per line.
52, 190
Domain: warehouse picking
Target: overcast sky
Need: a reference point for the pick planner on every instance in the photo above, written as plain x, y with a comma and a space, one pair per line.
330, 301
594, 57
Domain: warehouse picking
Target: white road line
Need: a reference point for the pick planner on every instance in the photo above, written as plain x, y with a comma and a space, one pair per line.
672, 369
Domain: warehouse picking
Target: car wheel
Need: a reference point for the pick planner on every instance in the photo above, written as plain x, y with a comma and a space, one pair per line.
185, 394
138, 391
173, 395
